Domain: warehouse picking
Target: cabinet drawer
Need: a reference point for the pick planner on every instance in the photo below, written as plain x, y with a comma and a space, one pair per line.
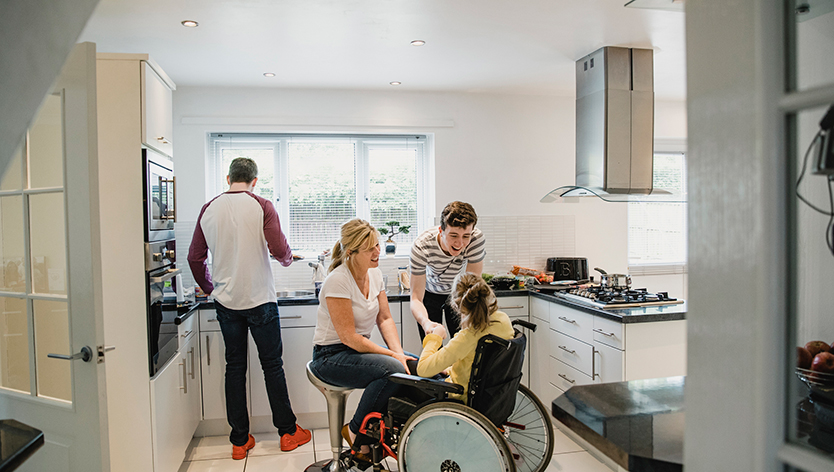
539, 309
186, 330
565, 376
572, 352
514, 307
609, 332
208, 321
296, 316
574, 323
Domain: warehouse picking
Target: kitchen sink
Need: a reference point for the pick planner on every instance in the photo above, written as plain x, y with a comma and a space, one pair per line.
296, 294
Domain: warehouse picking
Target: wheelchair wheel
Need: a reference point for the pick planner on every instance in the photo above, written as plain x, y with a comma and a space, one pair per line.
529, 431
450, 437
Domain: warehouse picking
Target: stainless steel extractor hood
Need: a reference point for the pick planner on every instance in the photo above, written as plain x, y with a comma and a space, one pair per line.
614, 124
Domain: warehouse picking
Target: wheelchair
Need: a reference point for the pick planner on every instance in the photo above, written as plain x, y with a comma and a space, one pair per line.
503, 426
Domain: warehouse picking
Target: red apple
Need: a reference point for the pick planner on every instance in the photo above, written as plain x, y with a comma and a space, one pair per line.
816, 347
803, 358
823, 362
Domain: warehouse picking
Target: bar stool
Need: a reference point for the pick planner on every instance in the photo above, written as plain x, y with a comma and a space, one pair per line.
336, 398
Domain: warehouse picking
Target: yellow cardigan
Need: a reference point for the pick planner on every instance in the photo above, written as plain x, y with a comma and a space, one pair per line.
460, 352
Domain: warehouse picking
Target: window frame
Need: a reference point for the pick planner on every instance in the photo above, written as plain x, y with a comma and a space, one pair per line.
363, 144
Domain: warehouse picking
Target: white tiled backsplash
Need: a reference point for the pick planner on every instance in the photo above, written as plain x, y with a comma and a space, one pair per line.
526, 241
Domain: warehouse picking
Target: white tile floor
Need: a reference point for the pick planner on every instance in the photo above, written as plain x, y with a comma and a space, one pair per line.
213, 454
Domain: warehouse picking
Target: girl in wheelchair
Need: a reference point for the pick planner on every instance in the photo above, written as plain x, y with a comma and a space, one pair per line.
478, 308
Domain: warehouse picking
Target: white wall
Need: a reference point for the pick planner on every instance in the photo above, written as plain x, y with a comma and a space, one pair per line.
501, 153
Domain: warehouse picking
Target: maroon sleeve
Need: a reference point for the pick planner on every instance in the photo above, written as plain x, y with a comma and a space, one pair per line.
275, 239
197, 255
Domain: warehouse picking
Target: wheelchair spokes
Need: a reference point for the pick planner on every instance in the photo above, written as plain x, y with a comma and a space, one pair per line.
529, 432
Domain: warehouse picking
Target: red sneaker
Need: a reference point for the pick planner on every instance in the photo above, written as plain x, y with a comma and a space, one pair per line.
239, 452
292, 441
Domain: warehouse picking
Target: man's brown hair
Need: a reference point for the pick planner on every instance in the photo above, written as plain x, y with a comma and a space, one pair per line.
242, 169
459, 215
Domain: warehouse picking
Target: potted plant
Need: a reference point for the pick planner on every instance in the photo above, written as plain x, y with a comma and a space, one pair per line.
390, 244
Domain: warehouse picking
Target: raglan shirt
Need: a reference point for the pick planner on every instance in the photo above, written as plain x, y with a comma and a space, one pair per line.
241, 230
460, 352
440, 269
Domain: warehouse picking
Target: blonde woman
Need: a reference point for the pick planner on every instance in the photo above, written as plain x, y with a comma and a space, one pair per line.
475, 302
351, 302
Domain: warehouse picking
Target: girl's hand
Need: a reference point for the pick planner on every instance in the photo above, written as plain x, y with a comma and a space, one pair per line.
440, 331
402, 358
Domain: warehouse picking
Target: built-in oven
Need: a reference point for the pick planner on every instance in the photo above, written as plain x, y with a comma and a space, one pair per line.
160, 196
160, 270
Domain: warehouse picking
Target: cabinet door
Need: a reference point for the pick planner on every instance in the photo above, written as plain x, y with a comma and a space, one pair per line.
572, 352
514, 307
213, 366
157, 112
411, 336
193, 394
609, 364
168, 415
539, 310
298, 350
538, 348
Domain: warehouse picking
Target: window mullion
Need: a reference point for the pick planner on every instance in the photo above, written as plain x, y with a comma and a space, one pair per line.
282, 180
363, 177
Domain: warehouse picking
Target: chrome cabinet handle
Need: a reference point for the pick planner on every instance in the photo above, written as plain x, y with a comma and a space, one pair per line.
291, 317
567, 320
186, 334
514, 307
610, 335
167, 276
184, 386
208, 352
565, 377
191, 353
101, 350
567, 350
163, 140
85, 354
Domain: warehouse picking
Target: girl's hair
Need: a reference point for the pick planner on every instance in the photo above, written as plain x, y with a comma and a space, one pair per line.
356, 235
472, 297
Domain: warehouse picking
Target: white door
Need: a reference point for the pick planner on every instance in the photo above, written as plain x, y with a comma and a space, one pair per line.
50, 301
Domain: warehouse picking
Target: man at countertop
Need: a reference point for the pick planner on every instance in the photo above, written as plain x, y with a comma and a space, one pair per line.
241, 229
437, 257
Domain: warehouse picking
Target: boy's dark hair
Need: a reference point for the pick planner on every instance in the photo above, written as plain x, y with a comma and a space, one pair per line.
459, 215
242, 169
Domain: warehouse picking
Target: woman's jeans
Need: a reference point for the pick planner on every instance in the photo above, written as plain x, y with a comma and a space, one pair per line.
340, 365
263, 322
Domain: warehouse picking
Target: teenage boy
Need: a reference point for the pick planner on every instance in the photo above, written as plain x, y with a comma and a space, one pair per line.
241, 229
437, 257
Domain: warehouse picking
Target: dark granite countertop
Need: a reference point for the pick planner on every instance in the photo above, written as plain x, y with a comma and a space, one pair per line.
625, 315
17, 442
638, 424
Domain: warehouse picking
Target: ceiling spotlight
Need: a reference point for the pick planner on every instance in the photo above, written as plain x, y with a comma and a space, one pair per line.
269, 74
418, 42
395, 83
190, 23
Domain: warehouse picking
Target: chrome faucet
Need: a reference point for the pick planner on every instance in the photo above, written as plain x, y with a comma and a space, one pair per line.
319, 272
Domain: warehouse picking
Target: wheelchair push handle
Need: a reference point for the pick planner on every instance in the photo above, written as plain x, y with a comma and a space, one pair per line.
526, 324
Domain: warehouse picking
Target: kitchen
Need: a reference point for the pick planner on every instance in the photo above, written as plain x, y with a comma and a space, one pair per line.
484, 125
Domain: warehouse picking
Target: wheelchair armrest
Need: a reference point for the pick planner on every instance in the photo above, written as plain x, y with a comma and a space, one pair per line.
436, 388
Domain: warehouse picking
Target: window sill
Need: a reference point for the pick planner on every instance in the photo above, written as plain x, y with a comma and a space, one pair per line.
658, 269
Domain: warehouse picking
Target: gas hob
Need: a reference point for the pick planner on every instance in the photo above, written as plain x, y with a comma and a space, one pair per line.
610, 299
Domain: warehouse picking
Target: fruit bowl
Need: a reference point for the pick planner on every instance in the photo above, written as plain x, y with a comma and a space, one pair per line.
820, 384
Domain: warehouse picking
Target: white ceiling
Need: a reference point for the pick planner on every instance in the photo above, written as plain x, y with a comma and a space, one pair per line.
498, 46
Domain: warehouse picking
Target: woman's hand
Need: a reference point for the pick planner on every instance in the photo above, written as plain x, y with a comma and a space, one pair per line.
440, 331
402, 358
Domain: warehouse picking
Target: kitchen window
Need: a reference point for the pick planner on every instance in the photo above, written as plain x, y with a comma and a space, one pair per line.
657, 231
318, 182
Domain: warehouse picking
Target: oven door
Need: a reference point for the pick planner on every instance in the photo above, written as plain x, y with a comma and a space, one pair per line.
162, 328
160, 197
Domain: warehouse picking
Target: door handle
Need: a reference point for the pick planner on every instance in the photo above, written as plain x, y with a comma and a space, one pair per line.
208, 352
166, 276
567, 350
184, 387
610, 335
191, 353
567, 320
514, 307
85, 355
566, 378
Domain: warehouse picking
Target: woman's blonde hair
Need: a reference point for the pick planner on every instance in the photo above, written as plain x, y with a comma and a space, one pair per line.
471, 296
356, 235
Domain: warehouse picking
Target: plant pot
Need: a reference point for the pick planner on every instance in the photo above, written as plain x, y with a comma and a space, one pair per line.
390, 247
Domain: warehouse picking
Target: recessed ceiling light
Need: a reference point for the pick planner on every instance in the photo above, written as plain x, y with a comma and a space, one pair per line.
190, 23
269, 74
418, 42
395, 83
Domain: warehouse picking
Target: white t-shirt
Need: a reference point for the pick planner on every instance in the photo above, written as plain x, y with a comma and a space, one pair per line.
340, 284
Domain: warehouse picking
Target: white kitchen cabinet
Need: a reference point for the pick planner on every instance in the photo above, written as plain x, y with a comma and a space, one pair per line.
410, 334
157, 109
609, 364
515, 307
213, 367
538, 346
175, 407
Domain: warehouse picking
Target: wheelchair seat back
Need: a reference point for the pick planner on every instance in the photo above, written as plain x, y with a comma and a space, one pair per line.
496, 374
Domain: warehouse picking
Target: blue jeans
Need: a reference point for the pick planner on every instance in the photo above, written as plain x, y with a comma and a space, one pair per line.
340, 365
265, 326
